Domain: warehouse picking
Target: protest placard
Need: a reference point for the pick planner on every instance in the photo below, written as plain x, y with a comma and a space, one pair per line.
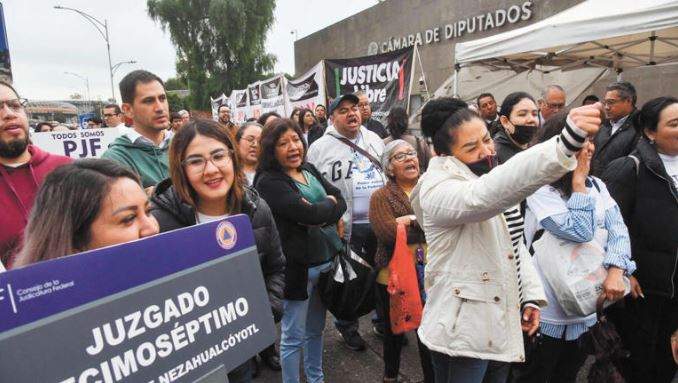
385, 78
182, 306
306, 91
85, 143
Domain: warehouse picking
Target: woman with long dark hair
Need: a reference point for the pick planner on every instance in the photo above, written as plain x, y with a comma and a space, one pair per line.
306, 208
86, 205
517, 124
309, 126
205, 185
482, 289
645, 185
577, 208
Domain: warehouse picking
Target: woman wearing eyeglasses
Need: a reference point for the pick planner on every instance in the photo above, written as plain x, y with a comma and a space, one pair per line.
390, 206
204, 186
248, 137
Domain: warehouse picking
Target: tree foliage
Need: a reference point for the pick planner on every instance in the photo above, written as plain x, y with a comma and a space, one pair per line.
175, 83
220, 43
176, 102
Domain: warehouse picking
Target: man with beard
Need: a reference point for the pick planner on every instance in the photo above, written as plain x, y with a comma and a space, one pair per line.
22, 169
347, 157
366, 115
224, 113
144, 147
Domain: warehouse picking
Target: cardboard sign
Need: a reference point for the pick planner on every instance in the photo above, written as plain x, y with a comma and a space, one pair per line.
182, 306
86, 143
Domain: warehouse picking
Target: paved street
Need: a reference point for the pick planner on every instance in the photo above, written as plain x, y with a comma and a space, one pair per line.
345, 366
342, 365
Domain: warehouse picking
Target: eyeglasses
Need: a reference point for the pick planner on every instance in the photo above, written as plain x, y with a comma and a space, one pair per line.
14, 105
363, 105
402, 156
109, 115
196, 165
611, 101
251, 140
555, 106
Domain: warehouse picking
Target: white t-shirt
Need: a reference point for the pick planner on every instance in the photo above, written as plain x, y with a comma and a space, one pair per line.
366, 180
671, 166
204, 218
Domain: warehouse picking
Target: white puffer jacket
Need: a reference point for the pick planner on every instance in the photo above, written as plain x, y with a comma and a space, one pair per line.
473, 309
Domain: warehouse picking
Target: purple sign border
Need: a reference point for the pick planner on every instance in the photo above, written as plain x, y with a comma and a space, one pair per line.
100, 273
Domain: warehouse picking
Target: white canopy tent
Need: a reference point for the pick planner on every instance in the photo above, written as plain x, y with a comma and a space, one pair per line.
572, 48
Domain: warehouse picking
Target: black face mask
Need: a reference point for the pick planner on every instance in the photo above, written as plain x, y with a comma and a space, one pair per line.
483, 166
523, 133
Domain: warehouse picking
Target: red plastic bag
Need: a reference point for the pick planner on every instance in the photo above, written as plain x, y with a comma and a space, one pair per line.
406, 308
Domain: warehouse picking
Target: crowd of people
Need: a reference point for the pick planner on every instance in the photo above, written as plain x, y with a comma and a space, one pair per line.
479, 192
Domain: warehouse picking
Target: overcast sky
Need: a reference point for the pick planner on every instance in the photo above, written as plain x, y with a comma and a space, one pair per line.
45, 42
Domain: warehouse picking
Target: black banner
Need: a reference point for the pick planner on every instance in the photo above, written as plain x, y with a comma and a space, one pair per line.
386, 79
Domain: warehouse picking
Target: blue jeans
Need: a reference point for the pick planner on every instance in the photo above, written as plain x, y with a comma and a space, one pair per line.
449, 369
302, 328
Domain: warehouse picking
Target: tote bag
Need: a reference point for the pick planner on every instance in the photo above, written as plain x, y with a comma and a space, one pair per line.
405, 309
574, 270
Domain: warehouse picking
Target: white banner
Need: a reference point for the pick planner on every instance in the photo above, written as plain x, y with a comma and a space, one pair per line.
87, 143
272, 95
240, 106
306, 91
254, 94
216, 103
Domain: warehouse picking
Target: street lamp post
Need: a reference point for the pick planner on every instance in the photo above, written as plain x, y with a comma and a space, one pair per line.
116, 66
83, 78
104, 33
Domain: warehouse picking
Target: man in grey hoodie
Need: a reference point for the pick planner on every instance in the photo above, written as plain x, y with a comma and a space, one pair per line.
357, 176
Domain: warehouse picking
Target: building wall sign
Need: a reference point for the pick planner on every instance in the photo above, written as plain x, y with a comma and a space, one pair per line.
469, 25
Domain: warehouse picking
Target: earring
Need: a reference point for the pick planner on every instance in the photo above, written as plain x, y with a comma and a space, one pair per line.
651, 142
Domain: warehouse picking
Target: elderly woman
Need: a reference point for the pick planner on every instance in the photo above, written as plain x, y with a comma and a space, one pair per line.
645, 185
481, 286
390, 206
248, 138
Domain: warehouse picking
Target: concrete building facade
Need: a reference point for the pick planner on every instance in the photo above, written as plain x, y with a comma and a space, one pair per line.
436, 26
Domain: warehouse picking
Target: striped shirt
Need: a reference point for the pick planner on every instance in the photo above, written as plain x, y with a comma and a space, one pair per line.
515, 223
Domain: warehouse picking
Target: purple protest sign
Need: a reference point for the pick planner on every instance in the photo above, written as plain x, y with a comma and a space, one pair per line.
172, 307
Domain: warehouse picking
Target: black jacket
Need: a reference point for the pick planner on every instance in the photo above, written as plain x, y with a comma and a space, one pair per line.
648, 200
376, 127
314, 133
610, 147
293, 217
172, 212
504, 146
